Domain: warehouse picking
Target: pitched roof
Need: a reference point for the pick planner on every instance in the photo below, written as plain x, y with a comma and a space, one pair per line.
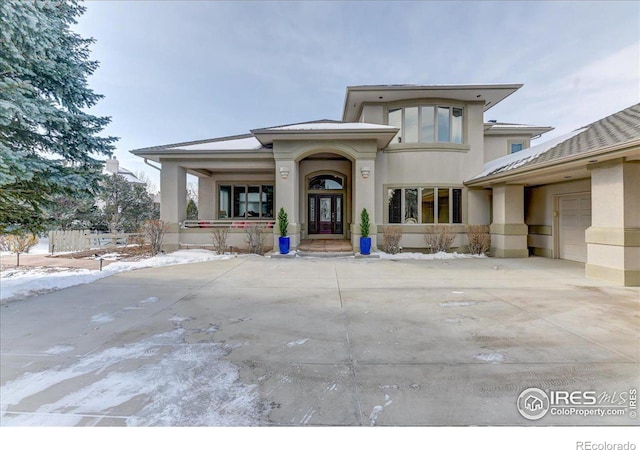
614, 130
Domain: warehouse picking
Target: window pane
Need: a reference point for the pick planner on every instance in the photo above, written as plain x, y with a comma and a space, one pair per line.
267, 201
428, 205
224, 206
411, 124
325, 182
443, 124
443, 205
411, 205
395, 120
394, 199
253, 202
239, 201
457, 206
516, 147
426, 125
456, 125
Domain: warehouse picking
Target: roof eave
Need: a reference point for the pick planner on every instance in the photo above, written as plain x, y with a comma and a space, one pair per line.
611, 152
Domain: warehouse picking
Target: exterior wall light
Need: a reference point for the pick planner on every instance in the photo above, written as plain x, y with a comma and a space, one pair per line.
365, 171
284, 173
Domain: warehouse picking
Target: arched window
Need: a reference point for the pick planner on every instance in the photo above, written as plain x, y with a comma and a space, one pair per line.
323, 182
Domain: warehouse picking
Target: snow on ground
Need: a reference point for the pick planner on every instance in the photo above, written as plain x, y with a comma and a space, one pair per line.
181, 384
41, 248
427, 256
21, 283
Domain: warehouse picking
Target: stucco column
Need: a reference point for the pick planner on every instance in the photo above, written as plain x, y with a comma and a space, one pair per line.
363, 196
173, 201
287, 192
613, 240
206, 198
508, 230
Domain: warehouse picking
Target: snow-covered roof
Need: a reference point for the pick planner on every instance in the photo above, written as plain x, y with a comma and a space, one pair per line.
129, 176
328, 125
519, 159
231, 143
617, 129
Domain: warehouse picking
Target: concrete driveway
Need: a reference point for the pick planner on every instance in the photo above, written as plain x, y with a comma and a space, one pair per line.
259, 341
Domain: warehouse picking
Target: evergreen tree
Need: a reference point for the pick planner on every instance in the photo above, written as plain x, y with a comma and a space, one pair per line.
192, 210
49, 144
125, 206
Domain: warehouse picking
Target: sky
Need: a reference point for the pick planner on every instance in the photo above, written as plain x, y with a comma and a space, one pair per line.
180, 71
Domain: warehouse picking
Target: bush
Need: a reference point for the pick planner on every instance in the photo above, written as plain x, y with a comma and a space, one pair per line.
283, 222
364, 223
155, 231
392, 235
479, 239
439, 238
219, 239
17, 243
255, 239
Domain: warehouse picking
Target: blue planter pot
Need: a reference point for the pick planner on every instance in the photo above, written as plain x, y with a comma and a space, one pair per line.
365, 245
283, 243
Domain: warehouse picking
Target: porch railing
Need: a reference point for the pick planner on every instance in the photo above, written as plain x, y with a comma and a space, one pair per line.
228, 223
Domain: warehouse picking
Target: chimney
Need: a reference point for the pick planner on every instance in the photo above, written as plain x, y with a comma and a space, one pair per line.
112, 166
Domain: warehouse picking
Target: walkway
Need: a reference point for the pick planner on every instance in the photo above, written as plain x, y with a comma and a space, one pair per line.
325, 245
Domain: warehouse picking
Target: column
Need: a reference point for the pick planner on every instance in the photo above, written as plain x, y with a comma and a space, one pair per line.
508, 230
613, 240
363, 192
287, 192
206, 198
173, 201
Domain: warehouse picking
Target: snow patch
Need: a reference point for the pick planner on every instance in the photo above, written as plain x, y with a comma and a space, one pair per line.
190, 385
59, 349
455, 304
375, 412
494, 358
31, 282
150, 300
102, 318
427, 256
296, 343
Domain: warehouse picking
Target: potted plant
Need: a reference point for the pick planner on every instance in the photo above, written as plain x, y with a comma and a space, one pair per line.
283, 225
365, 240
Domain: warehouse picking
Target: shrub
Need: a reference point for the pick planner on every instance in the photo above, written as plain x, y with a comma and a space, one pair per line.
439, 238
283, 222
17, 243
392, 235
255, 239
155, 231
219, 239
364, 223
479, 239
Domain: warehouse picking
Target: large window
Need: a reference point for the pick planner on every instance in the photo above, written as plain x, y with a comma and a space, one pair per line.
412, 205
242, 201
430, 123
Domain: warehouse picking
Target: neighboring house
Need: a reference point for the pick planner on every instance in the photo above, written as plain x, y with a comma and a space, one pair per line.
112, 167
417, 156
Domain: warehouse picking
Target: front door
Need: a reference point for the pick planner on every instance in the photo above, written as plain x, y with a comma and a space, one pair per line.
325, 213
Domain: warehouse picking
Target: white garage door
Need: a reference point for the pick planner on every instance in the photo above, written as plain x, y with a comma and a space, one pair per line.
574, 219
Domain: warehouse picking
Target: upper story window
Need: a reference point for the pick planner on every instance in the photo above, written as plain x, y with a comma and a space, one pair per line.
516, 146
427, 124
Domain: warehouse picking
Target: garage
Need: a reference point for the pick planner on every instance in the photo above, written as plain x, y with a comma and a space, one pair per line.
574, 217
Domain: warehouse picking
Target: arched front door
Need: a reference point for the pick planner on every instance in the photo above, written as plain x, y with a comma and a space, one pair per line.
325, 213
325, 207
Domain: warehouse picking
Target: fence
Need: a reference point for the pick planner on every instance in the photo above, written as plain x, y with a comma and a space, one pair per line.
82, 240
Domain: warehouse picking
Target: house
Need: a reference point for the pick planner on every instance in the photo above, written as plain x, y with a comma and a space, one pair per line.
533, 403
416, 156
112, 167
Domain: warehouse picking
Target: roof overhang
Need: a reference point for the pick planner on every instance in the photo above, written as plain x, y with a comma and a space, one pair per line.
490, 94
382, 134
491, 129
558, 170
